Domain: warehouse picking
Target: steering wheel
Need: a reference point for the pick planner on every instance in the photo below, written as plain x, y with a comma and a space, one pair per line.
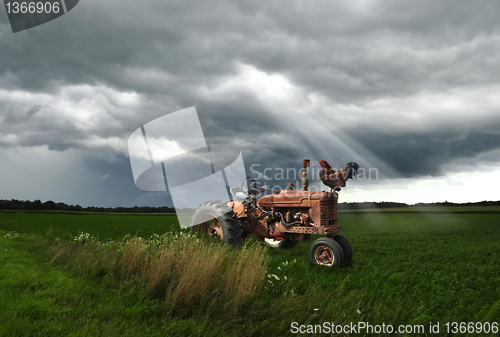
256, 188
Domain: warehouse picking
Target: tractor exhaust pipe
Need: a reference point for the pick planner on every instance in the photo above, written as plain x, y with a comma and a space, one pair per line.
305, 175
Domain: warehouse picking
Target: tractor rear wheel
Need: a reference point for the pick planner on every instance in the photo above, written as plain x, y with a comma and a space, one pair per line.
326, 252
217, 219
283, 243
346, 247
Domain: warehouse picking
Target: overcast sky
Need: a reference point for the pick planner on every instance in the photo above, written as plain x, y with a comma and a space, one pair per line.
408, 89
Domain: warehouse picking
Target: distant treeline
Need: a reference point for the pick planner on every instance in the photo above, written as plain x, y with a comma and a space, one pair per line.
446, 203
386, 204
365, 205
37, 205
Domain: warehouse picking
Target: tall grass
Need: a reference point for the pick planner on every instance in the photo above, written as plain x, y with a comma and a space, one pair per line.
245, 274
189, 274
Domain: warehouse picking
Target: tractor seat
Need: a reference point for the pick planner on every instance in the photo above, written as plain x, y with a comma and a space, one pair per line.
239, 193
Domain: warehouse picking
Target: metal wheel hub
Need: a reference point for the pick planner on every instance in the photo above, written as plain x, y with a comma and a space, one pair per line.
215, 229
324, 255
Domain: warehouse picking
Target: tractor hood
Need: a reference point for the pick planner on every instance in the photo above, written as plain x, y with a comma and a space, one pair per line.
288, 198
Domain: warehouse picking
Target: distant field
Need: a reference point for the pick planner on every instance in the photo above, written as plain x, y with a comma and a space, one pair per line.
408, 268
114, 226
436, 209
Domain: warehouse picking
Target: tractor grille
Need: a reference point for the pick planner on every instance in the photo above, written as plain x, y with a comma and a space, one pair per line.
328, 211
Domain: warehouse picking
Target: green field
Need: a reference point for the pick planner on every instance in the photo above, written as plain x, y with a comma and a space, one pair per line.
429, 209
408, 268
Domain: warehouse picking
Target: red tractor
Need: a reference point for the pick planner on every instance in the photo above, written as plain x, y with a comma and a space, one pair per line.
283, 218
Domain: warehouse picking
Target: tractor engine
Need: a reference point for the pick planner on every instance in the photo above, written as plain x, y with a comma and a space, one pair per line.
288, 209
297, 216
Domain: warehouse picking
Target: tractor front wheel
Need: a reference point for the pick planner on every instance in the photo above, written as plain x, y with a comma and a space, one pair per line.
217, 219
326, 252
346, 247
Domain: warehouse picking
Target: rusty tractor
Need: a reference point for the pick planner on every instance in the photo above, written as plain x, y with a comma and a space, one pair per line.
281, 219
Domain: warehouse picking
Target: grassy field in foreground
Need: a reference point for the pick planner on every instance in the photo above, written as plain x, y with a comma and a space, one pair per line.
408, 268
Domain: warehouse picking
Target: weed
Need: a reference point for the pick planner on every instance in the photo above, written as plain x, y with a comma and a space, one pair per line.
186, 272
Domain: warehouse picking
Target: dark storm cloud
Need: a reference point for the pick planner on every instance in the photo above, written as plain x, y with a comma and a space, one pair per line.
91, 77
420, 154
115, 186
14, 118
348, 51
37, 126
